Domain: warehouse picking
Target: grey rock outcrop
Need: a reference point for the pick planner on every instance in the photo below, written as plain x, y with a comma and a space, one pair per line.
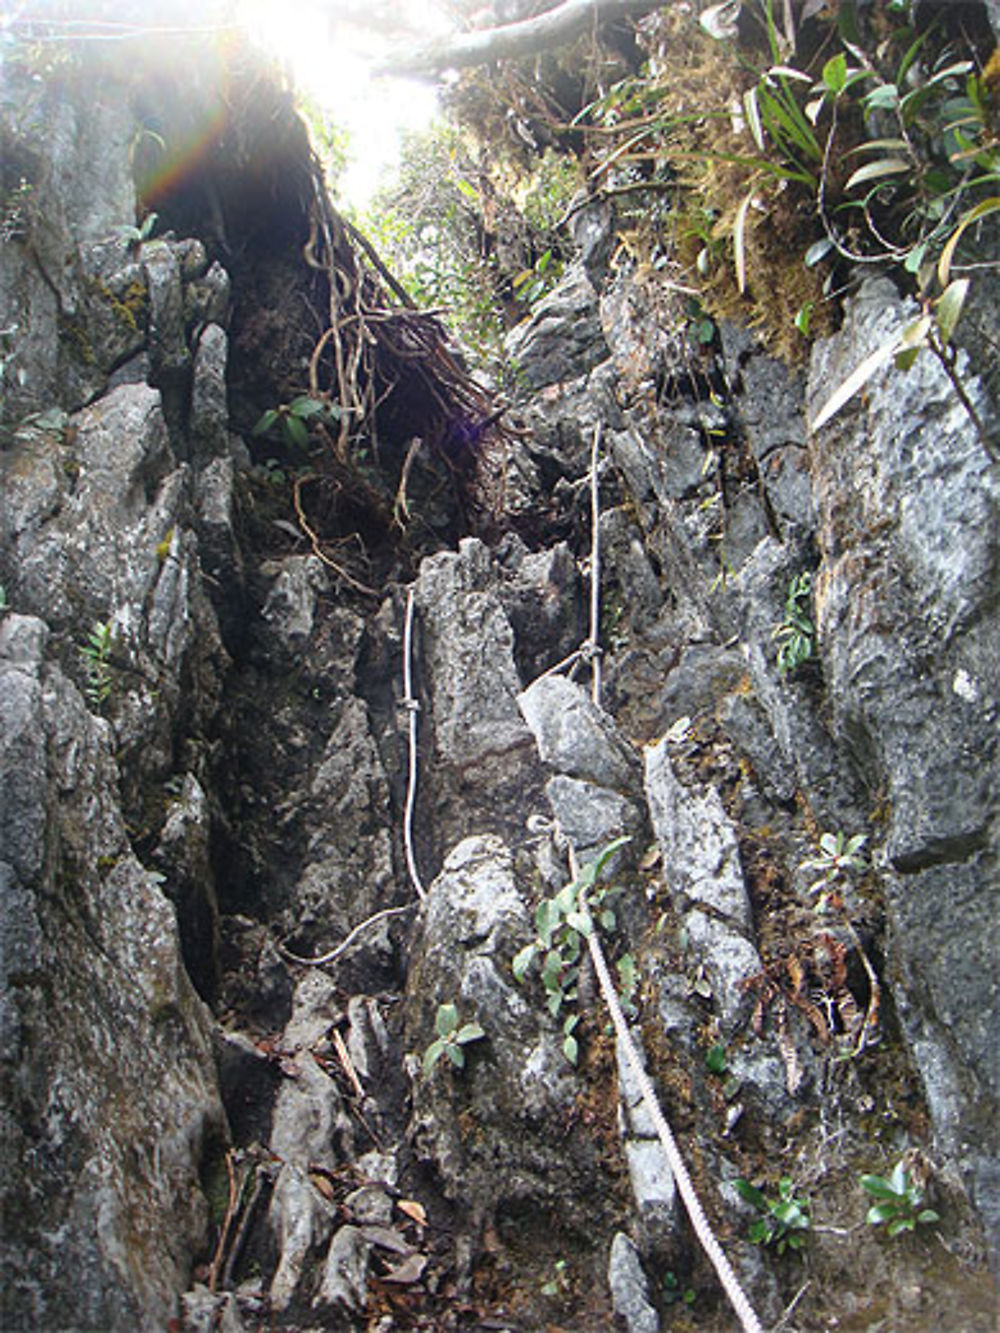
110, 1092
908, 507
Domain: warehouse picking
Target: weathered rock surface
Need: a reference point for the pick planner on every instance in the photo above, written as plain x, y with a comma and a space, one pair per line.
183, 812
111, 1105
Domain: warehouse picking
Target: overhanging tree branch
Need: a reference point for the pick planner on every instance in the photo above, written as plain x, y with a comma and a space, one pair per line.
556, 27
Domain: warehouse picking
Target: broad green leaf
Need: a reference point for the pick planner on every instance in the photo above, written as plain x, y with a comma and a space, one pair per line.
296, 430
306, 407
915, 333
266, 422
928, 1215
855, 381
447, 1019
885, 166
739, 243
750, 1194
899, 1224
432, 1055
879, 1187
581, 922
552, 969
608, 920
915, 258
835, 73
879, 1213
981, 210
571, 1049
883, 98
904, 360
456, 1055
715, 1061
523, 960
948, 308
469, 1032
898, 1180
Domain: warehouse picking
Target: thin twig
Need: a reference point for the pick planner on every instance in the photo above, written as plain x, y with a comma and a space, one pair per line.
318, 551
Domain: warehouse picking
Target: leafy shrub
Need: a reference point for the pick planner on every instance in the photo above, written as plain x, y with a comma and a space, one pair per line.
783, 1221
453, 1036
899, 1203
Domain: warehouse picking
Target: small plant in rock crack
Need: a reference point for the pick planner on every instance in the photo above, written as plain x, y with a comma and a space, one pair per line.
783, 1221
135, 237
899, 1201
838, 858
96, 655
674, 1292
563, 923
796, 635
452, 1037
292, 419
558, 1284
4, 604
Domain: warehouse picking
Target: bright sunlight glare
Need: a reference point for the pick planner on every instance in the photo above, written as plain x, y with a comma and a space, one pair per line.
329, 50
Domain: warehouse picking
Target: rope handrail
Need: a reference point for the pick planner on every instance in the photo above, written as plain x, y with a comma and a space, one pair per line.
699, 1222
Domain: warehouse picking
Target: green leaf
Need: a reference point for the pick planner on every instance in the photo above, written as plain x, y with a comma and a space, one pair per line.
879, 1187
883, 98
552, 969
591, 872
948, 308
608, 920
715, 1059
447, 1019
981, 210
265, 423
456, 1055
296, 430
581, 922
306, 407
835, 73
879, 1213
928, 1215
470, 1032
523, 960
571, 1049
433, 1054
885, 166
750, 1194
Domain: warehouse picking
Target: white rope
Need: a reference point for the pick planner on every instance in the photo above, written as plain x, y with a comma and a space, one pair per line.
413, 708
702, 1228
346, 943
595, 569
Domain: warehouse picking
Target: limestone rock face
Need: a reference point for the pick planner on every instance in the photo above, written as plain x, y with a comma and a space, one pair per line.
218, 977
110, 1092
909, 505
